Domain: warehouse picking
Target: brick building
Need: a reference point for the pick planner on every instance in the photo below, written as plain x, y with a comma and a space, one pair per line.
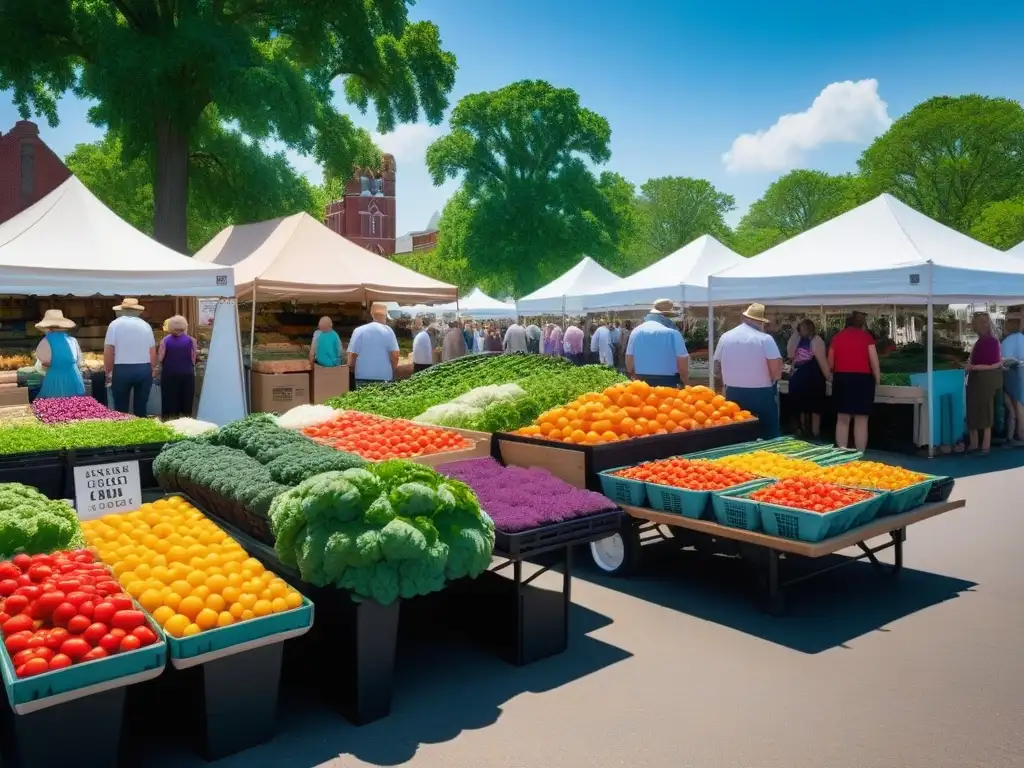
420, 241
366, 213
29, 170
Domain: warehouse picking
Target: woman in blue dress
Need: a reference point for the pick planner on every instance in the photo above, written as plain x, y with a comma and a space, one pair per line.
60, 356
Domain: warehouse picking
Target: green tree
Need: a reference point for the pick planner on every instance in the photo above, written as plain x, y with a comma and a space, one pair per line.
674, 210
169, 74
792, 204
949, 157
231, 181
1001, 224
530, 205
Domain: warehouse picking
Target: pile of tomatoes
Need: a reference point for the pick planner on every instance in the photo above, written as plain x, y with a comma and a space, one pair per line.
809, 495
377, 438
62, 609
693, 475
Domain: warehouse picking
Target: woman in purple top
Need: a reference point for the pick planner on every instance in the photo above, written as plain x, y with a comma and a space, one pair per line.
984, 383
177, 359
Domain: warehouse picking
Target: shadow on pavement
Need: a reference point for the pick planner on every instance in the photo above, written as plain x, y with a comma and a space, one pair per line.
822, 613
443, 686
956, 464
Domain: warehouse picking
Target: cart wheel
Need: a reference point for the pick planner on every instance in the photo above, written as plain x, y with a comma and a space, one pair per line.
618, 554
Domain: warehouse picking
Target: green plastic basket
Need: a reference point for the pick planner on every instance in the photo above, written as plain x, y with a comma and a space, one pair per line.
732, 507
788, 523
623, 490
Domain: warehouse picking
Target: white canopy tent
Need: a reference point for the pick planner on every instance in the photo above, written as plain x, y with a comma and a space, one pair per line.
554, 298
681, 276
1017, 250
69, 243
477, 305
882, 252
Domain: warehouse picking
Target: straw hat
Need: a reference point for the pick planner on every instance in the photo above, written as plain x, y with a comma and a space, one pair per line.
662, 307
54, 318
755, 312
130, 304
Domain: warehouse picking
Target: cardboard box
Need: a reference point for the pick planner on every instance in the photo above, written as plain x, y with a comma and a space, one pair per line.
278, 392
13, 396
329, 382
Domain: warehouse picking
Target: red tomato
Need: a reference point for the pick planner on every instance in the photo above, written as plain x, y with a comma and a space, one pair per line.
18, 623
128, 620
130, 643
4, 616
83, 556
24, 580
75, 647
63, 613
95, 632
79, 597
78, 624
121, 602
22, 560
40, 572
17, 642
110, 643
38, 640
86, 608
146, 635
44, 607
69, 585
60, 661
103, 612
43, 653
95, 653
7, 587
31, 591
15, 604
118, 633
9, 571
56, 637
22, 656
108, 588
32, 667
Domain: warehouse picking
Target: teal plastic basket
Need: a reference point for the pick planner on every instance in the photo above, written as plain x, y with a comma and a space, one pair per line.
787, 523
622, 490
732, 507
906, 499
686, 502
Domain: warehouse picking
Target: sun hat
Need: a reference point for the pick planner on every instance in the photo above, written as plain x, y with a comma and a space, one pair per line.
130, 304
662, 307
755, 312
54, 318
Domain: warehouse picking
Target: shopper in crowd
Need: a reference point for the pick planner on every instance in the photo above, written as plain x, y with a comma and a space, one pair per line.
853, 360
515, 338
750, 366
657, 355
492, 339
533, 339
422, 347
601, 345
454, 343
627, 329
373, 349
660, 313
177, 358
806, 352
984, 383
60, 357
572, 343
553, 345
468, 335
129, 358
1013, 381
326, 349
615, 331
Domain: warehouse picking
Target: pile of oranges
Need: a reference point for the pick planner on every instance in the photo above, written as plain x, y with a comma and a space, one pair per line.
184, 570
635, 409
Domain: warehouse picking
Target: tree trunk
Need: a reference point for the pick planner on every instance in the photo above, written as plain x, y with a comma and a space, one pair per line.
170, 190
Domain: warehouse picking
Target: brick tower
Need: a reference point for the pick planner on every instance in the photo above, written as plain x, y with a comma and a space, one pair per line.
29, 170
366, 213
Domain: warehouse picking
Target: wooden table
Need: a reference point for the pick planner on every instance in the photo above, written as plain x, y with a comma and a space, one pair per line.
767, 551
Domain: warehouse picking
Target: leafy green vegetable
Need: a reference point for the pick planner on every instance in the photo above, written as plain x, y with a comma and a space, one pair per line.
30, 438
30, 522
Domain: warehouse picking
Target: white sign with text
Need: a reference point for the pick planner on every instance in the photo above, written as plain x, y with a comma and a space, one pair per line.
103, 489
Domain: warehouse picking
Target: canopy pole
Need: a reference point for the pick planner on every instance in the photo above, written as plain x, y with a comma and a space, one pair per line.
931, 399
824, 320
711, 339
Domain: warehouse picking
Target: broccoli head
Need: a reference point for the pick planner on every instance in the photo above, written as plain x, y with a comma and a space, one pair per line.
400, 540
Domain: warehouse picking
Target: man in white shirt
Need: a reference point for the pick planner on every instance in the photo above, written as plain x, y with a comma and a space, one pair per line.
601, 344
515, 339
422, 347
748, 361
373, 349
129, 358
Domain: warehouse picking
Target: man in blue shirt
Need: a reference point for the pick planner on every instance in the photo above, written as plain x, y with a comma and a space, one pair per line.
373, 349
656, 353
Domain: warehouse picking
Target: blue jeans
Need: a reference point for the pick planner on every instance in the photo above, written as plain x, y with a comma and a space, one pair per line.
760, 401
659, 381
130, 386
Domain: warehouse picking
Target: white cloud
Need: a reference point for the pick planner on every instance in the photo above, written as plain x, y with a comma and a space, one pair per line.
408, 142
847, 112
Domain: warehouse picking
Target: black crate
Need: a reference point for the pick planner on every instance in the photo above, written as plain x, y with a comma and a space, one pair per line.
586, 461
45, 471
536, 541
941, 490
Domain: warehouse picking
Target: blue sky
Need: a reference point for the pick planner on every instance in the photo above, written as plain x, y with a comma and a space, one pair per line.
681, 81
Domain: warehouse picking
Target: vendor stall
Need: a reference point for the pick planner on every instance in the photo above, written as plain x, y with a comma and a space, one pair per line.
563, 295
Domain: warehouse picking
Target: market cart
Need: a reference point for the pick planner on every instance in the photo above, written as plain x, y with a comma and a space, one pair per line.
620, 554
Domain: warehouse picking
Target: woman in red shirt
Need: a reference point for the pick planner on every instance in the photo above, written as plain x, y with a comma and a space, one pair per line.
853, 359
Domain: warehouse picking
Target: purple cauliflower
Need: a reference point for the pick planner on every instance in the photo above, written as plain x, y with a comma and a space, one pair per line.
519, 499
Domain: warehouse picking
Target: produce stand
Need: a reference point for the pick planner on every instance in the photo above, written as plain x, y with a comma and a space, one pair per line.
579, 465
50, 717
523, 621
45, 470
766, 552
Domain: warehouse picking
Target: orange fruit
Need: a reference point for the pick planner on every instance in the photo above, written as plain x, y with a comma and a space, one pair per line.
190, 606
176, 625
293, 599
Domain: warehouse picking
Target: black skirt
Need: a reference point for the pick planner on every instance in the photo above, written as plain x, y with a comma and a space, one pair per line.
853, 393
807, 388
